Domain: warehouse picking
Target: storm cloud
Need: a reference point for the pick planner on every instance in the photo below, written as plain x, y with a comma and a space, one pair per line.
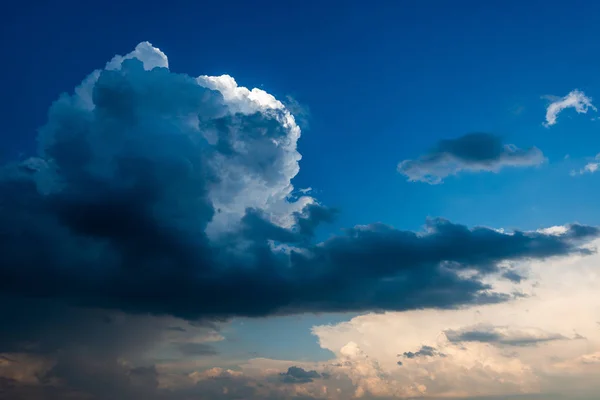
155, 192
472, 152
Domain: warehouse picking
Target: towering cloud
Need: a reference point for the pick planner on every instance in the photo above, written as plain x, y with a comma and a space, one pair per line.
161, 193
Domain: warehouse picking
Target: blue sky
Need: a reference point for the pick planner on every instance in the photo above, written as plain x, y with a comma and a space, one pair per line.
379, 83
382, 84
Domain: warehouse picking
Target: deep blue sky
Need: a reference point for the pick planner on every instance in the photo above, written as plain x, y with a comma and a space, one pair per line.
382, 84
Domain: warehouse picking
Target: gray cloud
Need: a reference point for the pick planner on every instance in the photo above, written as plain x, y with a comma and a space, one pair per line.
502, 336
472, 152
299, 375
196, 349
424, 351
513, 276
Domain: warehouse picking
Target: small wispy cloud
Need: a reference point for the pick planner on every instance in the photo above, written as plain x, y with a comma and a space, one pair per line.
575, 99
589, 168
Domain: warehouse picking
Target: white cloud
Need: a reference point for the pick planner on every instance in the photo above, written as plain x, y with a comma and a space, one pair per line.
575, 99
589, 168
241, 187
522, 347
149, 55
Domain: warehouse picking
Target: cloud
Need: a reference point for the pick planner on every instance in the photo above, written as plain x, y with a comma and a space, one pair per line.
312, 216
301, 112
513, 276
150, 56
197, 349
424, 351
174, 192
589, 168
531, 346
59, 352
575, 99
473, 152
502, 336
299, 375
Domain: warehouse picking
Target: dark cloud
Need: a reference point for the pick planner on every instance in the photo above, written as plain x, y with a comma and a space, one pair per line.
313, 215
176, 329
513, 276
139, 231
160, 271
471, 152
502, 336
299, 375
424, 351
79, 353
78, 372
84, 379
114, 210
44, 326
196, 349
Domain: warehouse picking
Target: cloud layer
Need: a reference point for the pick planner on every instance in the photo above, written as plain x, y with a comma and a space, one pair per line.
473, 152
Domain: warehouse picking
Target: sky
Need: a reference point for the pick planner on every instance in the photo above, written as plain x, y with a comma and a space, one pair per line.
309, 200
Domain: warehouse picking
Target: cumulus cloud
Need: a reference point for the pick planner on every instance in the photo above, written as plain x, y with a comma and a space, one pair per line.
175, 193
171, 190
167, 200
473, 152
543, 345
575, 99
151, 57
